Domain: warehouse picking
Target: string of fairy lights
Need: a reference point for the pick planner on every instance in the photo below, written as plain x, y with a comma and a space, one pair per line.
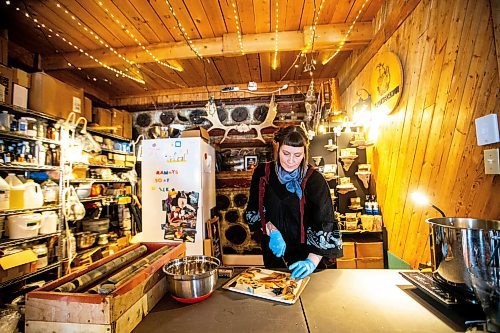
276, 41
310, 42
80, 49
183, 32
238, 29
132, 36
342, 42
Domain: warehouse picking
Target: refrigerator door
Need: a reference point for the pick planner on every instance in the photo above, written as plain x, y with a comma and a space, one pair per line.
175, 203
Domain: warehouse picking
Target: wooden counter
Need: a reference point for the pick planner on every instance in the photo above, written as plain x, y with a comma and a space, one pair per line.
334, 301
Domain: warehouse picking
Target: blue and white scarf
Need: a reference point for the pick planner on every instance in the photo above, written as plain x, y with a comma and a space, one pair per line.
291, 180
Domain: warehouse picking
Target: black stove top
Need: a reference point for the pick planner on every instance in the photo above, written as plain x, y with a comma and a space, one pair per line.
445, 294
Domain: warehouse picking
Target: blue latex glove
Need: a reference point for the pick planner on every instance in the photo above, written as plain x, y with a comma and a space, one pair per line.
301, 269
277, 243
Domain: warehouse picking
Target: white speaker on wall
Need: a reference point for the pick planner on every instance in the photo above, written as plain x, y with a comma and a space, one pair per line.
487, 130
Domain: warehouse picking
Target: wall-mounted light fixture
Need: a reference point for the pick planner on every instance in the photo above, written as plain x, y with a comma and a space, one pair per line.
362, 109
422, 200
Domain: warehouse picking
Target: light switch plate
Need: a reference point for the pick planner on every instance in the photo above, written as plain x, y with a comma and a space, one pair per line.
492, 162
487, 130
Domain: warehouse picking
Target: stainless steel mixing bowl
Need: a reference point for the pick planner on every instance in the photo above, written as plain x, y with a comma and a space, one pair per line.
191, 277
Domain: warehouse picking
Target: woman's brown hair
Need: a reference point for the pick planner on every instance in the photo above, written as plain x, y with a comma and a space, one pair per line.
293, 136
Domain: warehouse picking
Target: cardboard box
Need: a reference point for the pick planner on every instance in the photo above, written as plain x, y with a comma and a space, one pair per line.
369, 250
346, 263
19, 96
117, 120
197, 132
17, 264
101, 116
370, 263
5, 85
127, 125
87, 109
349, 250
53, 97
21, 77
4, 51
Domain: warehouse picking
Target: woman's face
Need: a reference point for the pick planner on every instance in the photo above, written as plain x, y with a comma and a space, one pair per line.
291, 157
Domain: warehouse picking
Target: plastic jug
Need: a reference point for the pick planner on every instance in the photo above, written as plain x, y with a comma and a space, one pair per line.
16, 192
50, 220
33, 195
4, 194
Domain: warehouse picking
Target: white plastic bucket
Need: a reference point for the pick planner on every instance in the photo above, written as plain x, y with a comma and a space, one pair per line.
24, 225
49, 223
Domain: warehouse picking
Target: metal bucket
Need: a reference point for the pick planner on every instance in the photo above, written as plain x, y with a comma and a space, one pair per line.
192, 278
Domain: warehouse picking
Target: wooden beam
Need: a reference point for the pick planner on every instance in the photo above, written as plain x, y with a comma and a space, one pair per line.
203, 93
394, 20
331, 35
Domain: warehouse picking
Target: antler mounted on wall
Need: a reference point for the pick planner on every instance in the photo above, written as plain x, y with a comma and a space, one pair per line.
242, 128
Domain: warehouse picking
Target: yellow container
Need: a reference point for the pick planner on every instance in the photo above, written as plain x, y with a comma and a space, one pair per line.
17, 197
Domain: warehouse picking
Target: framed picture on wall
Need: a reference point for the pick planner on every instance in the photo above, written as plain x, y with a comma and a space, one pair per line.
251, 162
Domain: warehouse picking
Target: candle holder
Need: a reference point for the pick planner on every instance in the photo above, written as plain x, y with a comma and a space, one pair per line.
364, 176
347, 161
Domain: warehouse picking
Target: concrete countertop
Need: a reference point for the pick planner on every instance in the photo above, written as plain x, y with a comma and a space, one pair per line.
333, 301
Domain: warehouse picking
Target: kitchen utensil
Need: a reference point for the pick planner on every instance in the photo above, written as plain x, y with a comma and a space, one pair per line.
450, 239
193, 278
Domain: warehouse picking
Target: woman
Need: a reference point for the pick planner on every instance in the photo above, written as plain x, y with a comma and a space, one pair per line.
290, 202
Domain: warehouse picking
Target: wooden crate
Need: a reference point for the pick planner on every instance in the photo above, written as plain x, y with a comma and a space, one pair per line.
370, 263
371, 249
348, 250
120, 311
346, 263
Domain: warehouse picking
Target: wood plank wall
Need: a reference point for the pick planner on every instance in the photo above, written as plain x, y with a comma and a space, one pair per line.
428, 143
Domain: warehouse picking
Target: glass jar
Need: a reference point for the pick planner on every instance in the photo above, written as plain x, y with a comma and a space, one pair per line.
50, 192
31, 127
41, 252
42, 129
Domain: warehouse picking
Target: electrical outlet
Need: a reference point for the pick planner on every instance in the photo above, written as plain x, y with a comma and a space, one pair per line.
491, 162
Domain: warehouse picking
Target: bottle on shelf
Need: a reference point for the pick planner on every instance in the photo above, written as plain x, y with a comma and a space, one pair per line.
375, 210
4, 194
17, 188
368, 205
33, 196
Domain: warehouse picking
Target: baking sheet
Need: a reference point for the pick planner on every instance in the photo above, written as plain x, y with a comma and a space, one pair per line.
261, 291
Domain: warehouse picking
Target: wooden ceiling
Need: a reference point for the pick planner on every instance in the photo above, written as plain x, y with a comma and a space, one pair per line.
89, 25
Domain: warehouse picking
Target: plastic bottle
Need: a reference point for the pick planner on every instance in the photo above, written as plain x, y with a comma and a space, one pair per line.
17, 189
41, 252
368, 205
4, 194
375, 210
33, 195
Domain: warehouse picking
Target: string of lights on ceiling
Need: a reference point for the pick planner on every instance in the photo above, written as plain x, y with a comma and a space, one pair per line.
308, 67
275, 59
238, 29
131, 35
76, 47
95, 36
342, 42
183, 32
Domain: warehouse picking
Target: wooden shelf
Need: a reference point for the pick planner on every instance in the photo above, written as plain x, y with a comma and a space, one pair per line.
114, 151
101, 197
90, 180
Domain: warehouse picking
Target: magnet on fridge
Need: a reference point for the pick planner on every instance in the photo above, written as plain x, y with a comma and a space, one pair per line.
177, 144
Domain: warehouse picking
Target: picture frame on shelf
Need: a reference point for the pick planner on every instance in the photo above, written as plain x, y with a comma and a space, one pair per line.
251, 162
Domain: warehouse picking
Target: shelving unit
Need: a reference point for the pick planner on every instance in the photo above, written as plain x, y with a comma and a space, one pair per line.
106, 134
101, 197
13, 242
29, 210
26, 169
115, 151
90, 180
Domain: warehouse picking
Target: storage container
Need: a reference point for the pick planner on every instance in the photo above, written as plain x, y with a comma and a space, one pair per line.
100, 225
17, 188
23, 225
33, 196
49, 222
4, 194
41, 252
50, 192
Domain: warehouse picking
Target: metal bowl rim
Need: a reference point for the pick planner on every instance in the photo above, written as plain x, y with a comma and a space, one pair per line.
464, 223
173, 262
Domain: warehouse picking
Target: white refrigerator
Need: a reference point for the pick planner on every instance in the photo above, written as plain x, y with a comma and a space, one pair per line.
178, 190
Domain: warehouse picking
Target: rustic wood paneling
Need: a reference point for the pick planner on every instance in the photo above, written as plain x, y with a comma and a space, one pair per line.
429, 142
